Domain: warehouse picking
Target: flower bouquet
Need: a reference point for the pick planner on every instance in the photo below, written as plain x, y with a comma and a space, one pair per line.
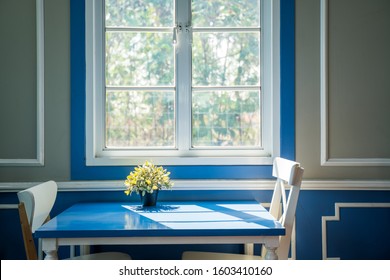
147, 180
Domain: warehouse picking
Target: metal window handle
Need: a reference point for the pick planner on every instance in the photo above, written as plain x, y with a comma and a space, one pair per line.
189, 31
179, 28
174, 40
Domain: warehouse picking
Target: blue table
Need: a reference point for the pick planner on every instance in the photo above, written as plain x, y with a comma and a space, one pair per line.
218, 222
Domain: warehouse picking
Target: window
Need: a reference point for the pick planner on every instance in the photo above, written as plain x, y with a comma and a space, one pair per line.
182, 82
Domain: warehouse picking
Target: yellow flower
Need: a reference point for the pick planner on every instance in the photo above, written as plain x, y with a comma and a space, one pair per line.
147, 178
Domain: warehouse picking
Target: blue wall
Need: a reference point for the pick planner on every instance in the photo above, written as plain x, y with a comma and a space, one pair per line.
361, 233
79, 169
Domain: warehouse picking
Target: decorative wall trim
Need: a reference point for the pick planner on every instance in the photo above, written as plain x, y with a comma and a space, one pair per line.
39, 160
336, 217
8, 206
117, 185
346, 185
325, 158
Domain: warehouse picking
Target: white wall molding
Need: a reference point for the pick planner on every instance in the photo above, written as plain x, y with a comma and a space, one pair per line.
8, 206
326, 160
39, 160
346, 185
336, 217
117, 185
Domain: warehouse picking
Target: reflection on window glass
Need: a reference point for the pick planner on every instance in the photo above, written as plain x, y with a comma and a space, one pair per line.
225, 59
222, 13
226, 56
140, 119
140, 65
139, 13
139, 59
225, 118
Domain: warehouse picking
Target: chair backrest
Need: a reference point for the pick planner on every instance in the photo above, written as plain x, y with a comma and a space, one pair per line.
289, 173
35, 204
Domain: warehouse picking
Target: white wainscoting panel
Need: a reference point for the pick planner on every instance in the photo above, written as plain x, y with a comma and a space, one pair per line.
325, 158
39, 160
336, 217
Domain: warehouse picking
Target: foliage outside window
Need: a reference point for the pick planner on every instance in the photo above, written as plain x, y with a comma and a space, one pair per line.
178, 82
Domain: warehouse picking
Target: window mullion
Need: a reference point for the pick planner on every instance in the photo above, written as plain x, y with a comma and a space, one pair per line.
183, 77
181, 151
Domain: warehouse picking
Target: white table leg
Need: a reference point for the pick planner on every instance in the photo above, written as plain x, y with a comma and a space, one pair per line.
271, 253
51, 255
49, 246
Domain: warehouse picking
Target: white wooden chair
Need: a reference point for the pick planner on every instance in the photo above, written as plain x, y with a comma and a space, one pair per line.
35, 205
286, 172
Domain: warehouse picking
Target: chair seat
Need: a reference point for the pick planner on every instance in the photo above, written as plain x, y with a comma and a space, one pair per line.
193, 255
103, 256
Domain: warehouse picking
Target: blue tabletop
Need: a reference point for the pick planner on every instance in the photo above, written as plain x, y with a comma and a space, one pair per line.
122, 219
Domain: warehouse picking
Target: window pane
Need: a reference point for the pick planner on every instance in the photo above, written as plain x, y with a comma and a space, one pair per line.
226, 118
222, 13
140, 119
139, 59
139, 13
226, 59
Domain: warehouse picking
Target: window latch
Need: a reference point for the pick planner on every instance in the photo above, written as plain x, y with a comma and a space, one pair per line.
180, 28
188, 30
175, 31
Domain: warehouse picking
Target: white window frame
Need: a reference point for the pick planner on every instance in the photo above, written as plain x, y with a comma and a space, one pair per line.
98, 155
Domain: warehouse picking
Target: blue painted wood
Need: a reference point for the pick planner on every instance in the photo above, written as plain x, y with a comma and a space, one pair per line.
79, 170
362, 244
287, 79
313, 205
77, 85
369, 242
116, 219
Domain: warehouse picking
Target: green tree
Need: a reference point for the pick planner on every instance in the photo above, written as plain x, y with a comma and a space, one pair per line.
138, 58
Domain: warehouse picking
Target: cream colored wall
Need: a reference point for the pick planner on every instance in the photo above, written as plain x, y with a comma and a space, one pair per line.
17, 80
21, 81
346, 125
358, 87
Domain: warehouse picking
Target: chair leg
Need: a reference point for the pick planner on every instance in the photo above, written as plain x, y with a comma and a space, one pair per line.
29, 244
